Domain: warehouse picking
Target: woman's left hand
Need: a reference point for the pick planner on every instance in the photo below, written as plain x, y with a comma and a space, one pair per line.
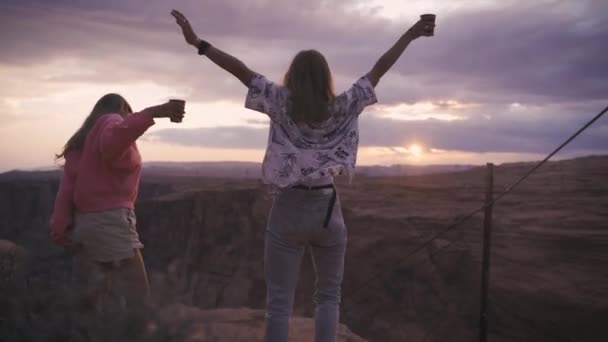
187, 30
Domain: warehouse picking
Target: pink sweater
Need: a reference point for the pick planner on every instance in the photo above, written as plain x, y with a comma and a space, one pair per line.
105, 173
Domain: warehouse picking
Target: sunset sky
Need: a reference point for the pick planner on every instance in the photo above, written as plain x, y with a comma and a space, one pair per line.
501, 81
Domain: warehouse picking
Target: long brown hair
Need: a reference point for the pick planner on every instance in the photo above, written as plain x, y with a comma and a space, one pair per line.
109, 103
311, 87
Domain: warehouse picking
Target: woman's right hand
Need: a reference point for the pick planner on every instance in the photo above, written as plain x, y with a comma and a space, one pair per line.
420, 29
189, 35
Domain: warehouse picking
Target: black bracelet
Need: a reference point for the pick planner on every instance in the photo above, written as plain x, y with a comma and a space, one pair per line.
203, 46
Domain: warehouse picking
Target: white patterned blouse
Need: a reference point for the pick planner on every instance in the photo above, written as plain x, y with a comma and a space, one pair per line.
298, 154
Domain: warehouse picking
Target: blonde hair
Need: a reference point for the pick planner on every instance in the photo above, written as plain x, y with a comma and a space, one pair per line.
311, 87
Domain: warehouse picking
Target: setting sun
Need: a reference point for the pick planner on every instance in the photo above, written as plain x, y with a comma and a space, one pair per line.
415, 150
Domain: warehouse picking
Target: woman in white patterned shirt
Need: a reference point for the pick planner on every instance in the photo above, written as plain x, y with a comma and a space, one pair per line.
313, 137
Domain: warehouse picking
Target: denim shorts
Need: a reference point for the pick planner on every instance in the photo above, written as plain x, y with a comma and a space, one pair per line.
107, 235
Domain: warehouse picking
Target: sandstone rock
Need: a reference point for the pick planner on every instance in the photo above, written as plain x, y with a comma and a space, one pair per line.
244, 324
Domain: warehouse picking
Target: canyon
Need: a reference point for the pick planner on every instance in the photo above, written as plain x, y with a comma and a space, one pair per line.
203, 238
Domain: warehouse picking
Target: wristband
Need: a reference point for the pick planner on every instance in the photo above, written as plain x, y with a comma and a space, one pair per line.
203, 46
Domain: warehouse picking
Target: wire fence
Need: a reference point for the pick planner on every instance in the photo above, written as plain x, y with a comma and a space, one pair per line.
351, 296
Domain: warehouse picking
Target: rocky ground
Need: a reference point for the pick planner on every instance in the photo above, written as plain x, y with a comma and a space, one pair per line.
204, 243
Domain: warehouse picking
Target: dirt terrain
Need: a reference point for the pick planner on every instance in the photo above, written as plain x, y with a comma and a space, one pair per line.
203, 242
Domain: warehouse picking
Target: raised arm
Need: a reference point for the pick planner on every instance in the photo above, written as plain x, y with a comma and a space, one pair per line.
389, 58
119, 133
225, 61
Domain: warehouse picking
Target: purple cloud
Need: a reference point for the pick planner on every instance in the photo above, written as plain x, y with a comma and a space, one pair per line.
543, 55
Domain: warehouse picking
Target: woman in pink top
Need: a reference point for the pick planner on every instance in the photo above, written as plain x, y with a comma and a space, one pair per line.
93, 210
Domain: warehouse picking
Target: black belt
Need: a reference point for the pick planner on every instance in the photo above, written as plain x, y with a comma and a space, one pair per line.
332, 201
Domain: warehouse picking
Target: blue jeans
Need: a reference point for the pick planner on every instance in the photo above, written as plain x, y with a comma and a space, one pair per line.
296, 221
